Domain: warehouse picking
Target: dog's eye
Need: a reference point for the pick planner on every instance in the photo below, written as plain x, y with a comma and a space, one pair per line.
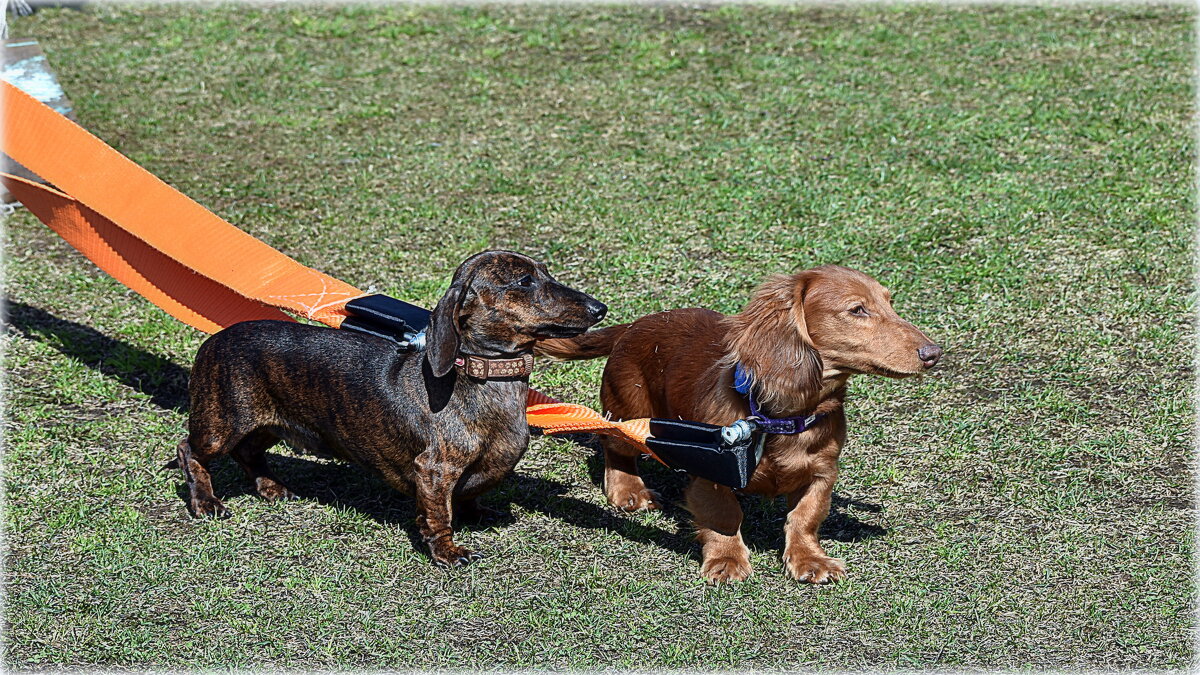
859, 310
525, 281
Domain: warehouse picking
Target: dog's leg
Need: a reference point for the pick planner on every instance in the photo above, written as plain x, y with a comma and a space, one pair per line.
802, 554
251, 454
434, 491
718, 519
622, 484
202, 501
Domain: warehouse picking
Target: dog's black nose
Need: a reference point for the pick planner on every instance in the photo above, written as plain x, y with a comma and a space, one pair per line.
929, 355
596, 309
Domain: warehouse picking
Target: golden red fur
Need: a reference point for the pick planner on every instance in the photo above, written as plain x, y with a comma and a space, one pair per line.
801, 336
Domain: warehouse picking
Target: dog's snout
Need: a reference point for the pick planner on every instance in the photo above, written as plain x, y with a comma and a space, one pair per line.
596, 309
930, 354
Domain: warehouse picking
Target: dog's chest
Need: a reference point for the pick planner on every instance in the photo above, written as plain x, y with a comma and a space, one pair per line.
790, 463
494, 413
495, 424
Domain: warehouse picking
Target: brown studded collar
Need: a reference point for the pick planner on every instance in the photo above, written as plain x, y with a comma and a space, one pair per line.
492, 369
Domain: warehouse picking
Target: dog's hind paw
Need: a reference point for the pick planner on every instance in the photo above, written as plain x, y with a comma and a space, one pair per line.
454, 556
642, 499
272, 490
471, 557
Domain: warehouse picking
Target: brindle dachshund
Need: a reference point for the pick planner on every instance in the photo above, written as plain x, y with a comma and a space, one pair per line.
800, 339
426, 421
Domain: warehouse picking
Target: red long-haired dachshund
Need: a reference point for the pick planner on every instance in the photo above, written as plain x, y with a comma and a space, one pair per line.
799, 340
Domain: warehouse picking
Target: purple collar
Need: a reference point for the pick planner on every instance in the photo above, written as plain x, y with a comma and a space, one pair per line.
771, 425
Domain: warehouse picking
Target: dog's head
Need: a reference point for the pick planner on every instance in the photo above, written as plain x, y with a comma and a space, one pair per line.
826, 318
850, 320
498, 304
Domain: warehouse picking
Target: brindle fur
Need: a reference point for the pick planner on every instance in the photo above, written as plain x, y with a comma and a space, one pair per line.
429, 430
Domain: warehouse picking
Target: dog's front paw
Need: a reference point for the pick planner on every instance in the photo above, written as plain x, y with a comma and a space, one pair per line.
725, 569
446, 556
209, 507
639, 499
816, 569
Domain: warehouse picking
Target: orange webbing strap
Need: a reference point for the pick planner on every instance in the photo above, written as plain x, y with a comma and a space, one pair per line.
194, 299
554, 417
182, 257
92, 173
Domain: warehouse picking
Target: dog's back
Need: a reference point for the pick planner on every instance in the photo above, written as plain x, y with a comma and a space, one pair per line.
661, 366
276, 376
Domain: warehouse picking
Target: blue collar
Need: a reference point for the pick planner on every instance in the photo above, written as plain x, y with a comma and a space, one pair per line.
771, 425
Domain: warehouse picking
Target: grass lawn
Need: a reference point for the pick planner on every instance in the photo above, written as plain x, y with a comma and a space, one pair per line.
1020, 177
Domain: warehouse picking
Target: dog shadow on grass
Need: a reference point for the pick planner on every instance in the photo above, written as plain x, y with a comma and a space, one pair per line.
163, 380
327, 482
346, 486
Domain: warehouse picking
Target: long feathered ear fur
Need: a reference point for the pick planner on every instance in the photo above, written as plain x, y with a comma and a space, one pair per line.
770, 339
442, 339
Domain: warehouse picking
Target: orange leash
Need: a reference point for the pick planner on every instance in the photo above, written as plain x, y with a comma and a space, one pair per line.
133, 199
197, 267
192, 298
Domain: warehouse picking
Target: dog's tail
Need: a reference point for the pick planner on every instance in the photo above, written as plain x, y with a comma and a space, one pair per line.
590, 345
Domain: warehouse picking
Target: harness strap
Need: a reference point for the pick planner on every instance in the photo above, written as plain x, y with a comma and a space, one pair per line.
182, 231
788, 426
195, 300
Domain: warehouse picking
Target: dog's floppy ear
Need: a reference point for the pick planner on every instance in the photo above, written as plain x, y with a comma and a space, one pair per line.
799, 289
441, 343
770, 339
